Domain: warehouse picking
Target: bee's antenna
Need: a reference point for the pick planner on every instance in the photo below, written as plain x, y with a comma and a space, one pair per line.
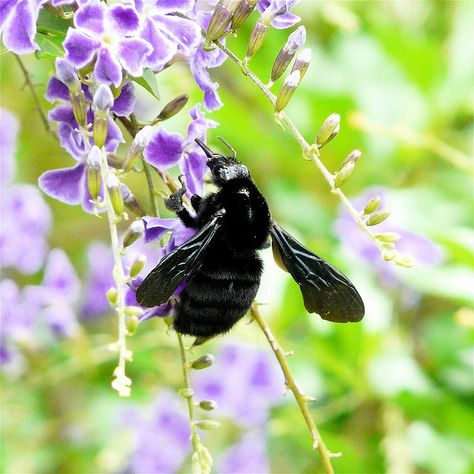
226, 143
205, 148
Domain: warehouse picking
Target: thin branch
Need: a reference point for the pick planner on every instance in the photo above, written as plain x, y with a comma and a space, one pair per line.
300, 397
28, 80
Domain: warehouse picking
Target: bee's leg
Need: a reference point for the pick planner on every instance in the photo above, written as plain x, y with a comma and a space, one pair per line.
196, 202
174, 203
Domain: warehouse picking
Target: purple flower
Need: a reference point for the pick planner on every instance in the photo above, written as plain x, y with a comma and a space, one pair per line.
18, 24
110, 36
256, 383
8, 133
279, 12
422, 250
69, 185
248, 456
162, 436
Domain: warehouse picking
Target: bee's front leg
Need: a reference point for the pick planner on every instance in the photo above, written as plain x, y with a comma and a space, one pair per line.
175, 203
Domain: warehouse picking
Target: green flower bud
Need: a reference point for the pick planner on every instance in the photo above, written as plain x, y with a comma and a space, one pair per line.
328, 131
173, 107
138, 264
389, 255
388, 237
207, 424
287, 89
133, 311
132, 324
112, 296
302, 62
245, 8
378, 217
79, 107
372, 205
353, 156
103, 100
344, 174
93, 172
140, 142
208, 405
115, 193
186, 392
131, 201
220, 20
203, 362
256, 39
406, 262
114, 160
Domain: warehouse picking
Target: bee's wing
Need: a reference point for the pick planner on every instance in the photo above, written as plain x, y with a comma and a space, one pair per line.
326, 291
163, 280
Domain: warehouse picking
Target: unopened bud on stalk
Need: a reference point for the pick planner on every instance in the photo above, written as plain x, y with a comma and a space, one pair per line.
256, 39
388, 237
208, 405
372, 205
68, 76
132, 234
353, 156
207, 424
302, 62
132, 324
389, 255
115, 193
115, 160
137, 266
173, 107
131, 201
133, 311
220, 20
286, 54
287, 90
245, 8
186, 392
112, 296
406, 262
344, 174
141, 140
203, 362
378, 217
102, 102
329, 130
93, 172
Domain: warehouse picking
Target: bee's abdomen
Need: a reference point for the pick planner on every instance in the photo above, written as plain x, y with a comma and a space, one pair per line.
217, 296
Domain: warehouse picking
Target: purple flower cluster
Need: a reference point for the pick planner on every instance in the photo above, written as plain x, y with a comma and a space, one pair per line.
26, 220
245, 382
421, 249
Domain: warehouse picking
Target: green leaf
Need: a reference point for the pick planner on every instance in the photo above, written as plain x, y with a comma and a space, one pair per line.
148, 81
50, 45
48, 23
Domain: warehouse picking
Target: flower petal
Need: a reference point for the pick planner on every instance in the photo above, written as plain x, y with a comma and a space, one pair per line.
156, 227
164, 149
56, 90
65, 185
194, 168
285, 21
6, 7
8, 134
90, 17
107, 69
163, 48
180, 30
122, 19
125, 102
60, 277
20, 29
132, 53
80, 48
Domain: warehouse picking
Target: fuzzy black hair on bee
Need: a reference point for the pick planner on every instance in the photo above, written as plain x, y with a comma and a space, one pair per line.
221, 264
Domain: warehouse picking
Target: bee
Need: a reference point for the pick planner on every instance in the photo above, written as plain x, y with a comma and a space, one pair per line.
220, 263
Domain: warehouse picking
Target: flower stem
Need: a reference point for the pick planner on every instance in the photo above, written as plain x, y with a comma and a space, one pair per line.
309, 151
121, 382
300, 397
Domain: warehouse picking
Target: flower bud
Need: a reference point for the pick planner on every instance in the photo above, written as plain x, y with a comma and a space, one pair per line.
245, 8
115, 193
67, 75
103, 100
287, 90
137, 266
131, 201
372, 205
112, 296
203, 362
141, 140
115, 160
208, 405
286, 54
173, 107
378, 217
353, 156
133, 233
388, 237
93, 171
131, 324
328, 131
256, 39
302, 62
207, 424
220, 20
406, 262
389, 255
133, 311
186, 392
344, 174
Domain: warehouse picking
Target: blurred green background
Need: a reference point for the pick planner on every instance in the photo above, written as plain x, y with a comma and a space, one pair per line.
394, 393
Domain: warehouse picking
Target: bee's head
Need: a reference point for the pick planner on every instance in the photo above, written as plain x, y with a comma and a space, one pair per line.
223, 168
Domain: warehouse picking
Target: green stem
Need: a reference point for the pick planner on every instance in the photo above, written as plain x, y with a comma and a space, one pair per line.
300, 397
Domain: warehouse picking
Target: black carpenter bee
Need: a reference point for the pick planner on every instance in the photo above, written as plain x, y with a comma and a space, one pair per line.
221, 264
